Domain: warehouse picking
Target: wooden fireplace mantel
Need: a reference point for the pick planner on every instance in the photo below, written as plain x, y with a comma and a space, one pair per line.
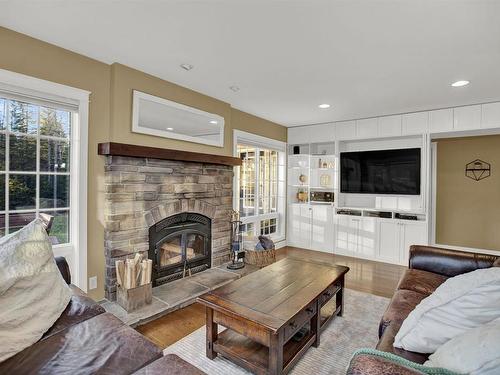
123, 149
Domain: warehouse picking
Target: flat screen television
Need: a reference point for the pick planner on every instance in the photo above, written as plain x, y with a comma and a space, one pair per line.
381, 172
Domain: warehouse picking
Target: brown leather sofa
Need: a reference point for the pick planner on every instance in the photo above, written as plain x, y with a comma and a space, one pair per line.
88, 340
429, 267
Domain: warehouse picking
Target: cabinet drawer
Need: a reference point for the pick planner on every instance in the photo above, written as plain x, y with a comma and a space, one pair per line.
299, 320
329, 293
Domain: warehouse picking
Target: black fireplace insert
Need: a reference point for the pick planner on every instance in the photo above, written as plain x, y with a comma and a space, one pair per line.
179, 245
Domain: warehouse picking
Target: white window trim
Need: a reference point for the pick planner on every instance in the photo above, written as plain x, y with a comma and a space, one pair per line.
242, 137
35, 87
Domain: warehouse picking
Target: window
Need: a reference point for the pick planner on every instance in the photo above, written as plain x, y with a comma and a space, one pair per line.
43, 162
35, 165
260, 186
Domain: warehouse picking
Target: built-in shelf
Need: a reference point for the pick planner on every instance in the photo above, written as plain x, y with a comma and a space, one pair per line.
381, 214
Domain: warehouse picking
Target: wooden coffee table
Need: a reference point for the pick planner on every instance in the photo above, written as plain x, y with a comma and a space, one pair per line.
265, 310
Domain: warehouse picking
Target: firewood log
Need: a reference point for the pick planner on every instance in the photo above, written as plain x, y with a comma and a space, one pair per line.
144, 272
149, 269
120, 272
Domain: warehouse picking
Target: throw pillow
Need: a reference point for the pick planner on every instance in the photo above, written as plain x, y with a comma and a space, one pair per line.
33, 293
476, 351
462, 302
266, 242
392, 364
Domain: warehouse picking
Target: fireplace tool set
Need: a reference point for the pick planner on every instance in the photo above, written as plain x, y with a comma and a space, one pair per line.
237, 253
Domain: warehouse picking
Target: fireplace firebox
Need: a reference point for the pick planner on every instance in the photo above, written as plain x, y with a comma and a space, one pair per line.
178, 245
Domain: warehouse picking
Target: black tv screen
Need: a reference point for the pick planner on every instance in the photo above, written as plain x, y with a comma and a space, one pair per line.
381, 172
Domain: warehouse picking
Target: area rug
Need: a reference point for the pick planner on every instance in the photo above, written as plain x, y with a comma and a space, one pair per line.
356, 329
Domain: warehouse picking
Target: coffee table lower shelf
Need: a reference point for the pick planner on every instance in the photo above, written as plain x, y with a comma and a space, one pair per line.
254, 356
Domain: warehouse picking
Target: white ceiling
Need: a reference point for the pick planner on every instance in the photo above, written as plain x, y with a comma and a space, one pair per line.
364, 57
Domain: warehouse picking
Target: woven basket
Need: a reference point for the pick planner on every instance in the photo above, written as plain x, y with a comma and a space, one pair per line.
260, 258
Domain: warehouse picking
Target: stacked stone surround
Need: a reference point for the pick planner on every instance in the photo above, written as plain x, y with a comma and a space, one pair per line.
140, 192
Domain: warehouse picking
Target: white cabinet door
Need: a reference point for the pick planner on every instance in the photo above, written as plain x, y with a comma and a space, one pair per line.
467, 118
441, 121
322, 228
367, 128
345, 130
368, 237
389, 241
415, 123
412, 233
293, 233
490, 115
347, 237
298, 135
389, 126
305, 226
321, 133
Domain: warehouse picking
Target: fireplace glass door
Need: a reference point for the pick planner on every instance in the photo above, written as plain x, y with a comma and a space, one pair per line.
180, 247
170, 251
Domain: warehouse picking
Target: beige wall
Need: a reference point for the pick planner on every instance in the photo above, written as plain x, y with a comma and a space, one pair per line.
468, 211
244, 121
110, 116
124, 80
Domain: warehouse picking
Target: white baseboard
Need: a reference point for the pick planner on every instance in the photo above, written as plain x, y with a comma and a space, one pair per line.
280, 244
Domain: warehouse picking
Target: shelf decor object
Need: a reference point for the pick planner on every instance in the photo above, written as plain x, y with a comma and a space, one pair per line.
325, 180
302, 196
478, 170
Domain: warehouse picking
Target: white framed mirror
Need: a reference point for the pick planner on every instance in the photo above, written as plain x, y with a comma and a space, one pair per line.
164, 118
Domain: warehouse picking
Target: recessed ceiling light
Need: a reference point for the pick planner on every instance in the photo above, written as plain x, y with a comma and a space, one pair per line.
214, 122
170, 129
460, 83
324, 106
187, 67
234, 88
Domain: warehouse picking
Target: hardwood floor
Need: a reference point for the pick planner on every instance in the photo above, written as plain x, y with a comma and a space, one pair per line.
364, 276
170, 328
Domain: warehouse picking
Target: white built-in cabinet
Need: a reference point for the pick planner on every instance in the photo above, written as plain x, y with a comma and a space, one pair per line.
311, 227
386, 240
356, 236
322, 233
320, 227
467, 118
415, 123
395, 238
490, 115
389, 126
299, 225
458, 119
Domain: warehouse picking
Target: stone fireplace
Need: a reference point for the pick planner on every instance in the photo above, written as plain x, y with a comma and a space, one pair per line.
176, 212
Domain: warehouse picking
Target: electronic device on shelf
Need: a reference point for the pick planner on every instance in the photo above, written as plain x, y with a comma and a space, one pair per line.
381, 214
348, 212
406, 217
322, 196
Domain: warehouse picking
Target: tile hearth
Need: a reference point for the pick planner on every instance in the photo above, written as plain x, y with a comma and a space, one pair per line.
177, 294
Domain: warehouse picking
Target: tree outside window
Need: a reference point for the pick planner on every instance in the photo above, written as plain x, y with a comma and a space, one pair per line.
34, 166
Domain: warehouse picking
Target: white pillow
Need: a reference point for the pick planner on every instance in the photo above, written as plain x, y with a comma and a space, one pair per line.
476, 351
462, 302
33, 293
